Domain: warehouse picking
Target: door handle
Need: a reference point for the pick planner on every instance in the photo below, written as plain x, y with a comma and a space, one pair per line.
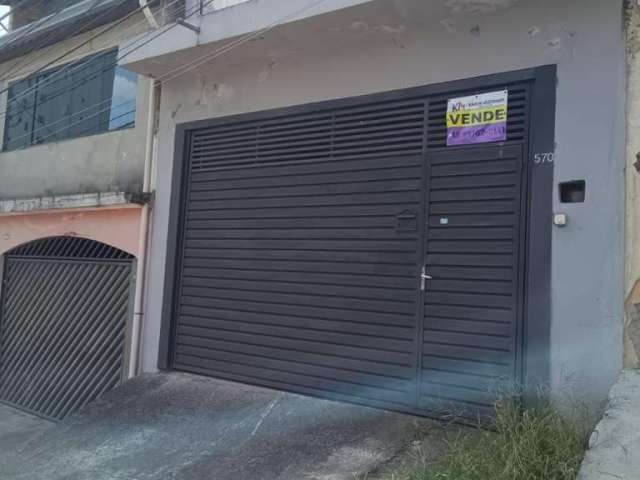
423, 278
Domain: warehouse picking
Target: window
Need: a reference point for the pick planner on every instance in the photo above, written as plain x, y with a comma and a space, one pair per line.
87, 97
123, 100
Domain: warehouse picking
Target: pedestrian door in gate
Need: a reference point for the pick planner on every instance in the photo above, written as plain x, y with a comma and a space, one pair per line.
472, 277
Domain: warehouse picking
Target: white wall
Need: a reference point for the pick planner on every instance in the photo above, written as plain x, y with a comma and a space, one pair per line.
388, 45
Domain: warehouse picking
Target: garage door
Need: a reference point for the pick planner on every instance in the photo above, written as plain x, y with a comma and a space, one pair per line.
302, 240
65, 304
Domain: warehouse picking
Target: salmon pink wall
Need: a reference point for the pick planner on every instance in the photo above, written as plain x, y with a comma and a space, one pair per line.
118, 227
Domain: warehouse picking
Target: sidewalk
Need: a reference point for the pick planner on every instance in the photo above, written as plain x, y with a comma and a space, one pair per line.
614, 447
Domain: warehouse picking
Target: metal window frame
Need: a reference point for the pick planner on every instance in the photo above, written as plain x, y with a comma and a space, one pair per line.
75, 62
535, 337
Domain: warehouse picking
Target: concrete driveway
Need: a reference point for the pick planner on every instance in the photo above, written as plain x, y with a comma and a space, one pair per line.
18, 428
178, 426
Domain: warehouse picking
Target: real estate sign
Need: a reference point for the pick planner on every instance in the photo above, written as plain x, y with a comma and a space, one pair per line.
477, 118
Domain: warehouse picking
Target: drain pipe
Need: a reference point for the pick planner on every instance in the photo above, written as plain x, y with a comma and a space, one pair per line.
144, 6
143, 237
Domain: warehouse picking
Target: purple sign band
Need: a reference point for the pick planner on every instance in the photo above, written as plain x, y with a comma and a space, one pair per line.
495, 132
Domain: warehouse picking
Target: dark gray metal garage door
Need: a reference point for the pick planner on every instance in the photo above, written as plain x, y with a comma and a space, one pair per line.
473, 301
65, 304
303, 234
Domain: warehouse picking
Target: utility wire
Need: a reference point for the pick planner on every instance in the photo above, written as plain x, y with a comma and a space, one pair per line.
33, 25
46, 51
205, 58
17, 5
24, 60
221, 51
158, 34
82, 44
210, 56
79, 65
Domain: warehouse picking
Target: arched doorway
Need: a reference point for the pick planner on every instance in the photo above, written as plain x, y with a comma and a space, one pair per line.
65, 309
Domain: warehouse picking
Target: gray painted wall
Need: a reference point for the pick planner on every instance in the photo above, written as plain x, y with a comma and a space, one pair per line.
388, 45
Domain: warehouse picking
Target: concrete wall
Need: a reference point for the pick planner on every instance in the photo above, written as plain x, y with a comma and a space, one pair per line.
388, 45
107, 162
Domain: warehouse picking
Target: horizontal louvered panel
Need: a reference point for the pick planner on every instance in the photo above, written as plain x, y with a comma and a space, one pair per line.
260, 375
302, 287
461, 364
320, 292
474, 194
396, 128
407, 199
307, 298
469, 353
470, 308
306, 191
203, 316
444, 209
469, 312
458, 393
293, 277
471, 286
482, 383
306, 328
309, 170
337, 228
471, 246
469, 299
311, 213
471, 180
482, 327
352, 257
370, 381
475, 167
339, 313
498, 260
208, 239
469, 339
337, 178
467, 233
302, 266
287, 348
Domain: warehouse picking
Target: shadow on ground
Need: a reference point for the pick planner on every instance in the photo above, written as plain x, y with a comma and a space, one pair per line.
178, 426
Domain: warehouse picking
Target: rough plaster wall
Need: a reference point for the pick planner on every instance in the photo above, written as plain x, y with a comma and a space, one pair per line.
446, 42
632, 254
111, 161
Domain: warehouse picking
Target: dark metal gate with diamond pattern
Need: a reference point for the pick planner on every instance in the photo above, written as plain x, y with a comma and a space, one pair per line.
65, 307
301, 235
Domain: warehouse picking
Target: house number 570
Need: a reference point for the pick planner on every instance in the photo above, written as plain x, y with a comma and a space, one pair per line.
542, 158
